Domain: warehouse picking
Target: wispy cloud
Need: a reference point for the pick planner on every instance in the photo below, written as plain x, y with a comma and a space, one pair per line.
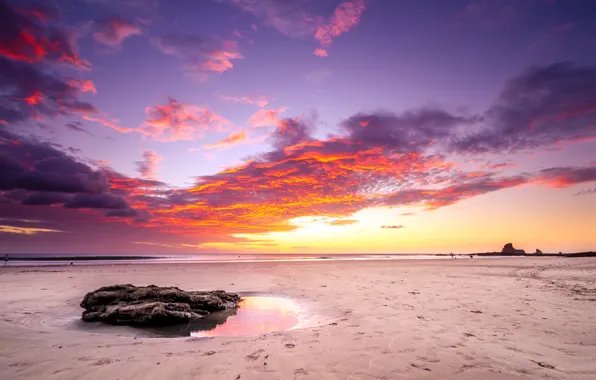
231, 140
147, 168
393, 227
200, 55
112, 32
345, 17
266, 117
25, 230
343, 222
287, 16
258, 100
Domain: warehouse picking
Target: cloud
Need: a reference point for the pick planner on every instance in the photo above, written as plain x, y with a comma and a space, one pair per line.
545, 105
199, 54
111, 32
407, 214
345, 17
321, 52
32, 44
291, 132
393, 227
265, 117
586, 192
287, 16
35, 173
77, 126
258, 100
97, 201
566, 176
148, 167
24, 230
343, 222
490, 14
177, 121
231, 140
28, 92
31, 33
564, 28
110, 123
411, 131
499, 166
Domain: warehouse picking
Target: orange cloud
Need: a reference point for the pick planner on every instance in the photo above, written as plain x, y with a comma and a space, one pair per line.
233, 139
343, 222
266, 117
346, 16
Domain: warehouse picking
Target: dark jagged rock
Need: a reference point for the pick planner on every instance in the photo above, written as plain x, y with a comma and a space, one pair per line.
509, 250
538, 252
153, 305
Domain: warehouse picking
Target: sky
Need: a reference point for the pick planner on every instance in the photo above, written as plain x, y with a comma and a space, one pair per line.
297, 126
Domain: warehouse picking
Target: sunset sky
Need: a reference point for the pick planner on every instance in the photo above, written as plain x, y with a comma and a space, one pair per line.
297, 126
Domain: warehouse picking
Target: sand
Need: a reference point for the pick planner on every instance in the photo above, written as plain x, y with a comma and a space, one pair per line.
513, 318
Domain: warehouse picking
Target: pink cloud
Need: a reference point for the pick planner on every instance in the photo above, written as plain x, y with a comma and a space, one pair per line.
199, 54
321, 52
113, 31
83, 85
346, 17
110, 123
177, 121
147, 168
266, 117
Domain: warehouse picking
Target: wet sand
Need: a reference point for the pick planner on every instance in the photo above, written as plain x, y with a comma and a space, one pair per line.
513, 318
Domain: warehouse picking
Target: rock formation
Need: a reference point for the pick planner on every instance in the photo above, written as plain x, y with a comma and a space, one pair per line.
509, 250
538, 252
153, 305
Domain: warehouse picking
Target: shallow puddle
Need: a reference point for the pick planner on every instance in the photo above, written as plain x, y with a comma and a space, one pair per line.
254, 315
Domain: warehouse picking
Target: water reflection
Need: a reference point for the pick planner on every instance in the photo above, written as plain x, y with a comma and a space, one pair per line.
254, 315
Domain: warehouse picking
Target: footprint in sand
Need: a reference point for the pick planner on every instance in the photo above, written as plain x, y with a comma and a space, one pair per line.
255, 355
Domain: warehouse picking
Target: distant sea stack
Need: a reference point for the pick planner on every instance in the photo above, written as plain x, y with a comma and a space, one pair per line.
509, 250
538, 252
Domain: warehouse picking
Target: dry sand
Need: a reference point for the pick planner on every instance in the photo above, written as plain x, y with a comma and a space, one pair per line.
514, 318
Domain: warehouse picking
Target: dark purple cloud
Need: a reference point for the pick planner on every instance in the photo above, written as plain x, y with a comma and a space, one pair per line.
544, 105
35, 173
77, 126
586, 192
566, 176
412, 131
291, 132
99, 201
45, 199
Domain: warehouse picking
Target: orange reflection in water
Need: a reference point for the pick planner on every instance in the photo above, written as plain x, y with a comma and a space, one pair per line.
257, 315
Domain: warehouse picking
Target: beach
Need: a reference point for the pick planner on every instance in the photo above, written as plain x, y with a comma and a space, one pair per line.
490, 318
